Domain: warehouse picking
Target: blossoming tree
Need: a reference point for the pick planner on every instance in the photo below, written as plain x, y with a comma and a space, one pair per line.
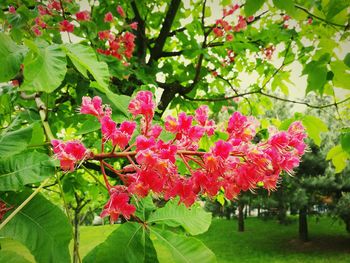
127, 67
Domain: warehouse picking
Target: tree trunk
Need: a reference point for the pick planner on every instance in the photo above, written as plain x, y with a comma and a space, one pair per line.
303, 228
240, 218
281, 212
259, 210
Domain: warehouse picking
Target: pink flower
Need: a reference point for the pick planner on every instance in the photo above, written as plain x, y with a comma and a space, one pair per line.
83, 16
142, 104
12, 9
40, 22
104, 35
108, 127
108, 17
117, 204
66, 26
155, 131
37, 31
133, 25
92, 106
69, 153
222, 149
120, 11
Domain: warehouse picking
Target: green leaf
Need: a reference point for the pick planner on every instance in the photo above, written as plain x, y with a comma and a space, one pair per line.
339, 158
345, 142
90, 125
41, 226
334, 7
126, 244
24, 168
286, 5
15, 142
347, 60
194, 220
12, 257
144, 207
44, 68
314, 126
341, 78
173, 248
251, 6
317, 74
11, 57
120, 102
85, 60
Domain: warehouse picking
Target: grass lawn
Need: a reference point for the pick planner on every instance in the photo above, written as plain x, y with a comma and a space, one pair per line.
263, 241
267, 241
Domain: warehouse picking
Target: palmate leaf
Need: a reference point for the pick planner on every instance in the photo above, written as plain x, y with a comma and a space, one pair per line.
44, 67
339, 158
286, 5
41, 226
194, 220
314, 126
85, 61
128, 243
15, 142
24, 168
251, 6
11, 57
174, 248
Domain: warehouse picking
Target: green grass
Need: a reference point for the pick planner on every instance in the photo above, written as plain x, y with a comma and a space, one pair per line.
263, 241
267, 241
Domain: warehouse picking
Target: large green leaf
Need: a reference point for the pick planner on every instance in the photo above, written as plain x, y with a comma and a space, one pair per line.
41, 226
251, 6
341, 78
85, 60
317, 75
314, 126
126, 244
118, 102
15, 142
339, 158
345, 142
44, 67
24, 168
194, 220
286, 5
173, 248
334, 7
12, 257
11, 57
144, 207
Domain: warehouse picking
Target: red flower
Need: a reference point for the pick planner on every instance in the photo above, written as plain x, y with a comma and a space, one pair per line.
66, 26
12, 9
117, 204
83, 16
120, 11
40, 22
108, 17
69, 153
142, 104
37, 31
133, 25
92, 106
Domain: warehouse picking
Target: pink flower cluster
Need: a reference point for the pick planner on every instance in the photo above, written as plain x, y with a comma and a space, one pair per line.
69, 153
120, 46
224, 29
232, 165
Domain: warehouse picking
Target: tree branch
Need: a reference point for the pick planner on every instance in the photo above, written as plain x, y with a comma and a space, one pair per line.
141, 33
168, 21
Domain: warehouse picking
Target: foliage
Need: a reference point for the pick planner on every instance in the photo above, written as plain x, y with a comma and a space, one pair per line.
54, 53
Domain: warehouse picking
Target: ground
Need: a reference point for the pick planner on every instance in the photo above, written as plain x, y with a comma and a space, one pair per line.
263, 241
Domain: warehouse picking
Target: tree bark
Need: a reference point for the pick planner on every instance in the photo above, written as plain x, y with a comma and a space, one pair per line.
303, 227
240, 218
